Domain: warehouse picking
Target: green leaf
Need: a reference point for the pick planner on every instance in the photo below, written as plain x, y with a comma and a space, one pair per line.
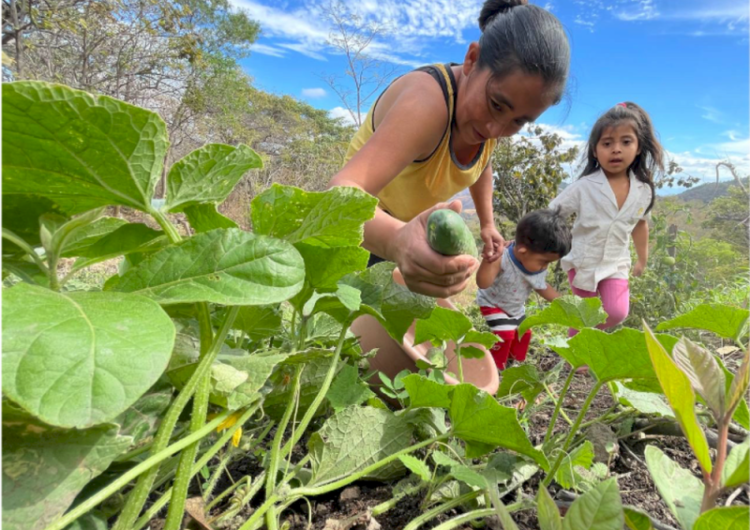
326, 266
598, 509
703, 372
340, 304
485, 338
742, 412
90, 521
470, 352
443, 325
725, 321
311, 380
417, 467
683, 501
737, 466
79, 150
80, 359
739, 384
44, 467
441, 459
142, 418
354, 439
636, 519
394, 305
333, 218
468, 476
547, 512
259, 322
681, 397
425, 393
645, 402
228, 267
208, 175
523, 379
80, 241
66, 230
21, 215
569, 311
347, 389
205, 217
619, 355
724, 518
476, 417
500, 509
582, 456
127, 239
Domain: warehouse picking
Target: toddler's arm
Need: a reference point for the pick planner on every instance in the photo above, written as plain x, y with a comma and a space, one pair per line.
548, 293
487, 272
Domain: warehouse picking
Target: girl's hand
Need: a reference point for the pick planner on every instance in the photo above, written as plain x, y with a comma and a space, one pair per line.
424, 270
640, 266
494, 244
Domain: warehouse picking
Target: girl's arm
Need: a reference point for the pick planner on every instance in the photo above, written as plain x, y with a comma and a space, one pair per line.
548, 293
640, 240
488, 271
481, 193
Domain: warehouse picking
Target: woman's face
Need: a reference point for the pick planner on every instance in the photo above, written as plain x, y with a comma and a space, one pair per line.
494, 108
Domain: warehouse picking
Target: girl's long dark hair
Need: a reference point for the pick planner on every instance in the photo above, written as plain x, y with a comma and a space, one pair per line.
651, 157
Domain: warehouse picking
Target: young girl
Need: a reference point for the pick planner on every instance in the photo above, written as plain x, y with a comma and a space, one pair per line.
612, 200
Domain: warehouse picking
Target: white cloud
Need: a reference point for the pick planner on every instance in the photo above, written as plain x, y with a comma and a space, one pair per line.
308, 49
711, 114
264, 49
314, 92
344, 114
639, 10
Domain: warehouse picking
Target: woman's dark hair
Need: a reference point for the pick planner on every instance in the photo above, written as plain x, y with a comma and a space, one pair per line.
544, 231
518, 36
651, 157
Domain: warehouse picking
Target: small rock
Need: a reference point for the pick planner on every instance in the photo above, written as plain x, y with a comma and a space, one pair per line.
604, 441
350, 494
333, 524
373, 524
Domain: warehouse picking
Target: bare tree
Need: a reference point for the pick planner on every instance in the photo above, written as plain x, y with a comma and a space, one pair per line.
365, 75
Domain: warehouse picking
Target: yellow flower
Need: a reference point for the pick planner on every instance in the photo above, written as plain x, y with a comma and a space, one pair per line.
229, 423
236, 437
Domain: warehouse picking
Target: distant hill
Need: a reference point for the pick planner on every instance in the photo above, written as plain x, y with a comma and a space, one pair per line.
708, 192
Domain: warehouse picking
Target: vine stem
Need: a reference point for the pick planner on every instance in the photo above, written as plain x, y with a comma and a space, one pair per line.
466, 518
138, 495
441, 508
181, 483
572, 433
17, 240
558, 405
556, 400
129, 475
215, 448
273, 466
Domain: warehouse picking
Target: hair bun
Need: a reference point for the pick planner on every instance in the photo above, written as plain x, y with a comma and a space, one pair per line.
492, 8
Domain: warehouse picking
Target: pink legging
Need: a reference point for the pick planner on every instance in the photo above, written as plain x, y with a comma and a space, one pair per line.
615, 296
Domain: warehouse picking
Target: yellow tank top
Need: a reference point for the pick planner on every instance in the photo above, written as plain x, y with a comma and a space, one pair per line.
424, 183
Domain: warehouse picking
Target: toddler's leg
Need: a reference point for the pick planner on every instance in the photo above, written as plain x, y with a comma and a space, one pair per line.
521, 346
578, 292
615, 295
501, 350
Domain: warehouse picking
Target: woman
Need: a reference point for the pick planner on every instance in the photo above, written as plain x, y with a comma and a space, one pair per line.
432, 132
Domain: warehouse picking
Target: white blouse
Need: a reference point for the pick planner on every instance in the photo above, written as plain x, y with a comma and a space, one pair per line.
601, 232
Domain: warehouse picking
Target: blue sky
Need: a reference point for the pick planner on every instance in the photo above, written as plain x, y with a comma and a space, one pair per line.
685, 62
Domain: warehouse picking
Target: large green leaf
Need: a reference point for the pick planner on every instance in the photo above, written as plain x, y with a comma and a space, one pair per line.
228, 267
333, 218
425, 393
142, 418
742, 412
354, 439
205, 217
598, 509
704, 373
477, 417
81, 151
724, 518
679, 488
738, 387
523, 379
208, 175
81, 359
645, 402
681, 397
126, 239
619, 355
347, 390
259, 322
326, 266
82, 239
313, 375
21, 215
569, 311
737, 466
44, 467
547, 512
636, 519
443, 325
725, 321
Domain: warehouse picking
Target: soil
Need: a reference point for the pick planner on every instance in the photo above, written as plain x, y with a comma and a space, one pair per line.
349, 509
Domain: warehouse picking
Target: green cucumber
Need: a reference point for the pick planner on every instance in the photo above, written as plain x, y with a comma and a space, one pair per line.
447, 234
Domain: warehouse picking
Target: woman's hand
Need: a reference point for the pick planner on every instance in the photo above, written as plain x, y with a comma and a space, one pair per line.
639, 267
424, 270
494, 244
